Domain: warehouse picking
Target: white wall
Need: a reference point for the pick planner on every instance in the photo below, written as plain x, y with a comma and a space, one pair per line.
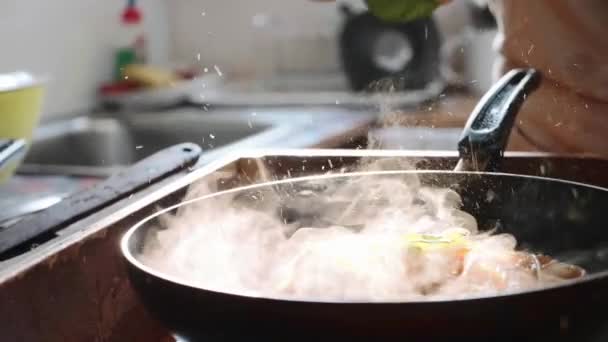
254, 35
71, 41
298, 35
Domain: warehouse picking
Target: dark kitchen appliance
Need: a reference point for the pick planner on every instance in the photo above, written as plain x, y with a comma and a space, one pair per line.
379, 56
546, 215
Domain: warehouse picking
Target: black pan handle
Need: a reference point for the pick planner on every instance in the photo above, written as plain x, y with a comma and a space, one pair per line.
81, 204
487, 131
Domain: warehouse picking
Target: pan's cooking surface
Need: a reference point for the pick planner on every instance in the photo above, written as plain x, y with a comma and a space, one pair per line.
558, 218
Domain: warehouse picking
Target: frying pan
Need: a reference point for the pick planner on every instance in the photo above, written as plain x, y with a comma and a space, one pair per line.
559, 218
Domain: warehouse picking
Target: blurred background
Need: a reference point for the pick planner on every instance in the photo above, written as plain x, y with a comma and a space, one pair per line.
91, 87
73, 42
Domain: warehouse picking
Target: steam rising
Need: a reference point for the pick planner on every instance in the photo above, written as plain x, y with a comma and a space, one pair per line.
369, 237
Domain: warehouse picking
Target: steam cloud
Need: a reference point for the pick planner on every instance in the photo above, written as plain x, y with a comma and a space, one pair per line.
362, 238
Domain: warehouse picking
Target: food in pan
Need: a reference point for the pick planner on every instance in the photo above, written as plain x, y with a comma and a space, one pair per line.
369, 238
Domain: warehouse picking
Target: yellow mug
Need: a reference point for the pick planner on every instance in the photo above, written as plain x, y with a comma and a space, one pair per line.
21, 96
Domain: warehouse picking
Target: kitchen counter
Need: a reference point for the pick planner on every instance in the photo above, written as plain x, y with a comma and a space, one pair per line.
450, 111
26, 193
431, 126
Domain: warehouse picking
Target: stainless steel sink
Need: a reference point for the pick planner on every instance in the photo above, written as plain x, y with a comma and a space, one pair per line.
99, 145
82, 141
